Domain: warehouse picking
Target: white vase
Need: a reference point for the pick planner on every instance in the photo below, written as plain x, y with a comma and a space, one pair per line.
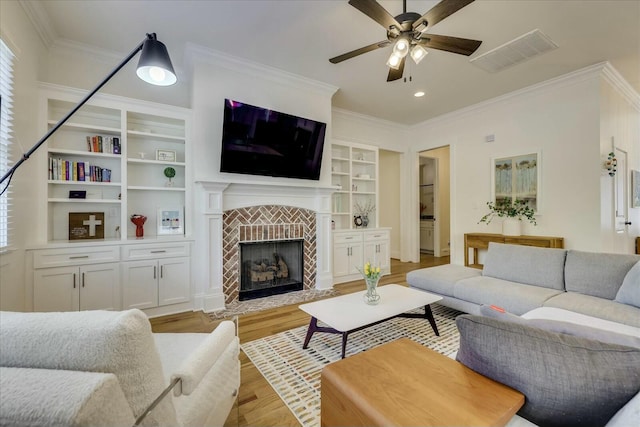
511, 227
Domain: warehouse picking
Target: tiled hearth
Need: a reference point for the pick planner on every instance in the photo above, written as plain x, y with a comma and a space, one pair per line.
266, 223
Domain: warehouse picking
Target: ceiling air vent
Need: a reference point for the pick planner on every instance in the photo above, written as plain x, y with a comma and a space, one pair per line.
518, 50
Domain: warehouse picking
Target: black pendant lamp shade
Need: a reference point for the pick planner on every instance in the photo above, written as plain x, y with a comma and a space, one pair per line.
155, 65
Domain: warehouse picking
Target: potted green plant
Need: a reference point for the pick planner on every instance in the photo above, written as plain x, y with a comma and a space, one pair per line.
169, 172
513, 214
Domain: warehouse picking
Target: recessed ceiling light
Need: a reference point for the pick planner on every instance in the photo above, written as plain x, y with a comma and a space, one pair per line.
418, 94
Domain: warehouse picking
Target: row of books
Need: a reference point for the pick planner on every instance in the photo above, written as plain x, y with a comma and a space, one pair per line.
103, 144
67, 170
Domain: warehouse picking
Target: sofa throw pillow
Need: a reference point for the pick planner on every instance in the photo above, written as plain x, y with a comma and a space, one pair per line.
567, 380
629, 292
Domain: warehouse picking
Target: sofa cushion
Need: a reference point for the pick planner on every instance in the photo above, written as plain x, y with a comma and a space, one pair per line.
596, 307
440, 279
584, 330
97, 341
526, 264
628, 415
567, 380
597, 274
552, 313
513, 297
629, 292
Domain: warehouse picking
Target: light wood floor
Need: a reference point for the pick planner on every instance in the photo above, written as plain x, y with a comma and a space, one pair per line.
258, 404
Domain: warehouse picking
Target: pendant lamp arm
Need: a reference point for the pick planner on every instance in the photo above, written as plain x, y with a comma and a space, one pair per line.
62, 121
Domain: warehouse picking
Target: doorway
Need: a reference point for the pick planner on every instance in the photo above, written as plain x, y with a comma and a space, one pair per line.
434, 196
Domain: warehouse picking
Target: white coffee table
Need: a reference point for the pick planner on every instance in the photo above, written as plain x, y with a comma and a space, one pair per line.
349, 313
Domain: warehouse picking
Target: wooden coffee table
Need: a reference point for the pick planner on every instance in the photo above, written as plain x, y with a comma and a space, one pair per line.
349, 313
403, 383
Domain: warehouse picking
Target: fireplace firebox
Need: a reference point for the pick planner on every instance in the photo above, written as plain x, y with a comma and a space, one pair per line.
270, 268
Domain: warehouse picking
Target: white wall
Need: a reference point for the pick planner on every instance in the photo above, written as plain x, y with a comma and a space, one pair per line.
17, 32
559, 118
389, 188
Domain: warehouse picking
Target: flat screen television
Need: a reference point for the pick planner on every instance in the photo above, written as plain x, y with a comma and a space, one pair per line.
258, 141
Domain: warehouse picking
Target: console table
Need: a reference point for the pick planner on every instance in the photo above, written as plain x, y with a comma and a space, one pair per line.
403, 383
478, 241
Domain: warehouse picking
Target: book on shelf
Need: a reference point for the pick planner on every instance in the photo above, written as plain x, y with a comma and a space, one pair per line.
103, 144
66, 170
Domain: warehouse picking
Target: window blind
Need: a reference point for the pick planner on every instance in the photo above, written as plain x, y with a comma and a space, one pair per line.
6, 104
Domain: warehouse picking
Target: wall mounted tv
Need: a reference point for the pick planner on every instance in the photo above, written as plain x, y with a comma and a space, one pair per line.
258, 141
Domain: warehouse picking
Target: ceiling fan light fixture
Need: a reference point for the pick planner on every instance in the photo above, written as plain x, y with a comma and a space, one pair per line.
394, 61
418, 53
401, 48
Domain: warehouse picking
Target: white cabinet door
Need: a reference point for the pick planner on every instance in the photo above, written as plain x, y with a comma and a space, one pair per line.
356, 258
56, 289
384, 256
140, 284
173, 281
99, 285
341, 265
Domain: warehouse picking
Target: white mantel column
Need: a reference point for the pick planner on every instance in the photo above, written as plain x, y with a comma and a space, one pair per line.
208, 256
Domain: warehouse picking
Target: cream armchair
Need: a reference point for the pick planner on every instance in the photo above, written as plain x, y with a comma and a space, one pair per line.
107, 368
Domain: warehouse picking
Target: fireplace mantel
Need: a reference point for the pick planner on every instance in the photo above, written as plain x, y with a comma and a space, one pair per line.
216, 197
241, 195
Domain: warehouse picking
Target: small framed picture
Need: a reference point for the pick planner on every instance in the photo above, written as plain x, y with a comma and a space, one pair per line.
166, 155
170, 221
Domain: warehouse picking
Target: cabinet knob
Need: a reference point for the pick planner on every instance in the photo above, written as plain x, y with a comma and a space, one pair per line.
74, 280
627, 223
79, 257
158, 252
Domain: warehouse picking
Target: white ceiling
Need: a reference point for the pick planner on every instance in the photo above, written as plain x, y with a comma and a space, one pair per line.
300, 36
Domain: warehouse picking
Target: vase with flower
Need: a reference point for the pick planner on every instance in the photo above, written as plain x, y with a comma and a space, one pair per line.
371, 276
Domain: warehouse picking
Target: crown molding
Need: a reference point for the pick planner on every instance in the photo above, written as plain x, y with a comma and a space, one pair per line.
615, 79
197, 53
40, 20
352, 115
584, 74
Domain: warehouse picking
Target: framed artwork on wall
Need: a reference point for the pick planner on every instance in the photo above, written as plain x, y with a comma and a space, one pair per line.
170, 221
517, 178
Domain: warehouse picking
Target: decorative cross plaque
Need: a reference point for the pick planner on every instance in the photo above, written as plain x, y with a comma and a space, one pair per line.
86, 225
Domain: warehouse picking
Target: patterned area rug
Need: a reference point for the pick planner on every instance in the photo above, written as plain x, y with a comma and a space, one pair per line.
237, 308
294, 373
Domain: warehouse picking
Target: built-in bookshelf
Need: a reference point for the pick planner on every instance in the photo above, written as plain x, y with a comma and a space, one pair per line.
110, 157
354, 170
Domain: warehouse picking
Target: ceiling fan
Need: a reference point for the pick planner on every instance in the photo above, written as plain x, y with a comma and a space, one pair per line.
407, 33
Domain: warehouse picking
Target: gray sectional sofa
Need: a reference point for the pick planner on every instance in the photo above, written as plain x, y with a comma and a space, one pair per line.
561, 326
522, 278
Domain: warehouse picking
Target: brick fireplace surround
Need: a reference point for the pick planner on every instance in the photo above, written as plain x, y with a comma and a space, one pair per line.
228, 213
262, 224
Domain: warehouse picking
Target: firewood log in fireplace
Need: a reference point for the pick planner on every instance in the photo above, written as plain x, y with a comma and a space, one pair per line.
266, 270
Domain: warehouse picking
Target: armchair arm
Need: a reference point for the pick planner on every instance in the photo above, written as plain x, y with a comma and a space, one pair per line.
200, 361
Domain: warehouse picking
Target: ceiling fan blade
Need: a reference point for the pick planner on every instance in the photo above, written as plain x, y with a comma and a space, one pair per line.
373, 10
450, 44
396, 74
360, 51
440, 11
